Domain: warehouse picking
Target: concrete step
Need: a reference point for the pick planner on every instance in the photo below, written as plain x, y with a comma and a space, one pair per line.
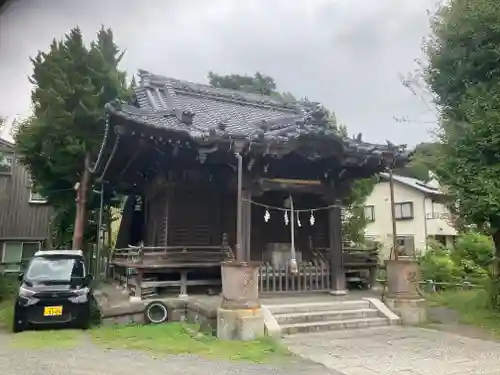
318, 306
333, 325
318, 316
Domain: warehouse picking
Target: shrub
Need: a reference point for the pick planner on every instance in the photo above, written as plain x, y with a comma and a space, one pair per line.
475, 247
8, 286
438, 265
469, 260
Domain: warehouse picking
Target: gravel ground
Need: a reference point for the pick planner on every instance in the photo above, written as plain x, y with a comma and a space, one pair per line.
88, 359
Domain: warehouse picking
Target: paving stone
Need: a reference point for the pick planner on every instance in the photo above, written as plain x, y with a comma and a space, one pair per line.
399, 351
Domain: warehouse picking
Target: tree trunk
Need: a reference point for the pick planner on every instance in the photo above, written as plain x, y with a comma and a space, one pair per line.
496, 260
81, 205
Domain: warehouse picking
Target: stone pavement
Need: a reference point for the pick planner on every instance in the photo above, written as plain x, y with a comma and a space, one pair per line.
398, 351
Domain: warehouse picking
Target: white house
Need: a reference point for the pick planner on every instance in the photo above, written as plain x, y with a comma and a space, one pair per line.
420, 215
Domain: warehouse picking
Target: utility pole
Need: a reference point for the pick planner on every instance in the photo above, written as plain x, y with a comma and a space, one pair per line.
393, 215
390, 162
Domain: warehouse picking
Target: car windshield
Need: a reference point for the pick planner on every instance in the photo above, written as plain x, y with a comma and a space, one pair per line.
54, 269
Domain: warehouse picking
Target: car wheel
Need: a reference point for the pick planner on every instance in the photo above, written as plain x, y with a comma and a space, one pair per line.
17, 327
85, 325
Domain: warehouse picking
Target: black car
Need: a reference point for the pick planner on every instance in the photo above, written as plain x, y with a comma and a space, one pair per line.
55, 291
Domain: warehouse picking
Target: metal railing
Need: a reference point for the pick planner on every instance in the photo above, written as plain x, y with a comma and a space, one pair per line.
431, 286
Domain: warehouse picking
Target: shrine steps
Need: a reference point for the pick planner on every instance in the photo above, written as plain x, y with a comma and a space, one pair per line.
329, 316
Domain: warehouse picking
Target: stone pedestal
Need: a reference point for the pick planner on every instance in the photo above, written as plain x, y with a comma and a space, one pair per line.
241, 325
411, 311
402, 296
239, 316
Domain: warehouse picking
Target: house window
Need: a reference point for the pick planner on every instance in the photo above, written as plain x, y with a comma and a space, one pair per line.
404, 210
406, 245
6, 162
369, 213
36, 197
14, 252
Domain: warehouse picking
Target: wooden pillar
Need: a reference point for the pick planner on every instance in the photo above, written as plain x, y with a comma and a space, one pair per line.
337, 272
183, 293
138, 284
246, 223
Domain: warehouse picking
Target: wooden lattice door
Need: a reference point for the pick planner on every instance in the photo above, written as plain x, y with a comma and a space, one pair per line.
194, 218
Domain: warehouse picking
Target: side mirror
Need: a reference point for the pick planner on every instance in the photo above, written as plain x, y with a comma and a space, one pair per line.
89, 279
20, 276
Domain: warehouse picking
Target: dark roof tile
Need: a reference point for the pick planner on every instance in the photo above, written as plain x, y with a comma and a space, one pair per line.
201, 112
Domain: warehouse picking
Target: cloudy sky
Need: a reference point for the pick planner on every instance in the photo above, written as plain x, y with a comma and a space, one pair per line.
348, 54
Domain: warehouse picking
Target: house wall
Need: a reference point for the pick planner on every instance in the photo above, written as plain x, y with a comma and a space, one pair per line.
438, 219
429, 218
20, 219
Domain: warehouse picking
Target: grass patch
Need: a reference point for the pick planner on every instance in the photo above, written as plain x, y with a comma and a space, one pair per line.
174, 338
45, 339
6, 314
471, 307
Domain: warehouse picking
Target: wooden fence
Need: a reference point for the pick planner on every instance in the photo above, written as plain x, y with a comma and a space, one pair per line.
310, 276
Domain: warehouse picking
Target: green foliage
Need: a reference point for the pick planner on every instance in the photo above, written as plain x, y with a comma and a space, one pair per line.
469, 260
353, 228
258, 84
422, 162
475, 247
493, 289
8, 286
72, 83
464, 74
437, 265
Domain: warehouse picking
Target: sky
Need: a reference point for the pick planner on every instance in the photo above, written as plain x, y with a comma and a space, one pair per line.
347, 54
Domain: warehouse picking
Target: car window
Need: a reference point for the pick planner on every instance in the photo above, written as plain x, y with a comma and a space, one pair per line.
55, 269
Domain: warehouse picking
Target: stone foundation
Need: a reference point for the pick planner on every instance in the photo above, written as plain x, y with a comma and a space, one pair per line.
179, 310
202, 314
244, 325
411, 311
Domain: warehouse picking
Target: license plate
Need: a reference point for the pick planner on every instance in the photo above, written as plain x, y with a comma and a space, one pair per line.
52, 311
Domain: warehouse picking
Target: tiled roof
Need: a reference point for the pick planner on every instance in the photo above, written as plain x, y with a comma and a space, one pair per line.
203, 114
415, 184
202, 111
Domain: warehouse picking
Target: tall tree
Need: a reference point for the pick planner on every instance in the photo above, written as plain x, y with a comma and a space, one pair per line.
72, 83
464, 75
422, 162
355, 223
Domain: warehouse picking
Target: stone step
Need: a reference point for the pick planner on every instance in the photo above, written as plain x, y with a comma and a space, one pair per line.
318, 316
333, 325
318, 306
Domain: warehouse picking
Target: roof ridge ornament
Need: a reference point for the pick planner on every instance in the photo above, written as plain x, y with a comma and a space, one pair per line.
223, 124
186, 117
317, 117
